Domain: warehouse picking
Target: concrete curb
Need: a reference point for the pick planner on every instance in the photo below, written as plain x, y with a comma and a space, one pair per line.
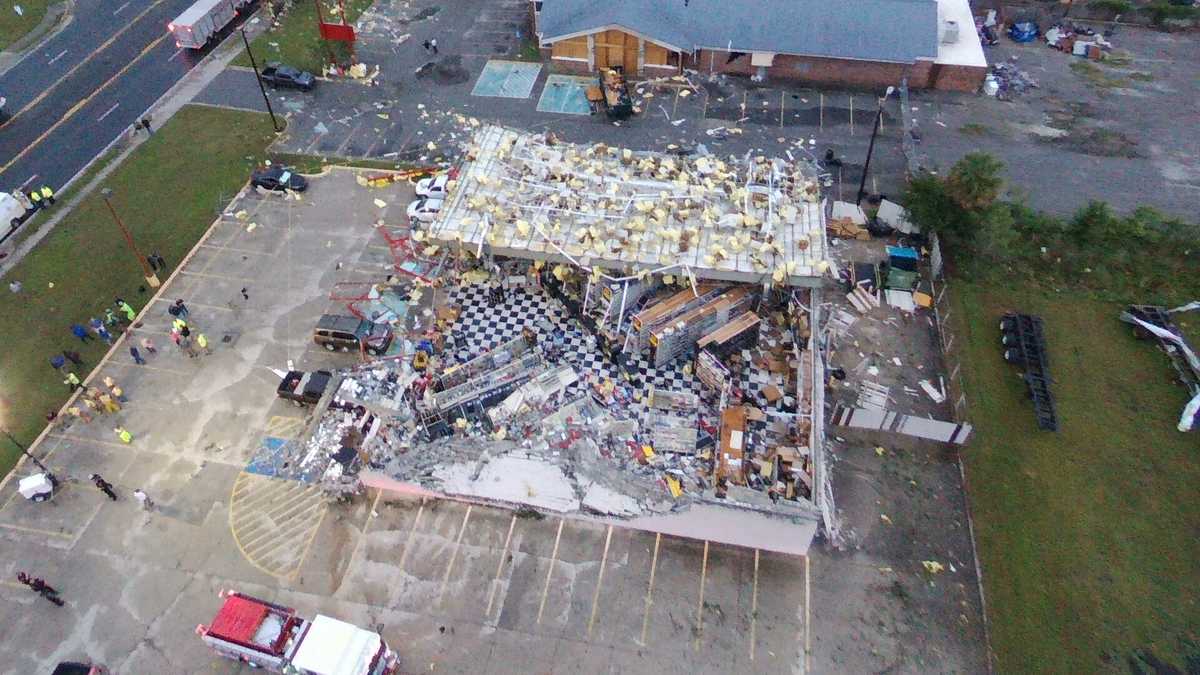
57, 17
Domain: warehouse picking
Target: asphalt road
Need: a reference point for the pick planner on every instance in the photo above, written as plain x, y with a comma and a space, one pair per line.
74, 94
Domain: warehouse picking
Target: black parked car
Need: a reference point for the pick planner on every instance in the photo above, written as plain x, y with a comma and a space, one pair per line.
278, 179
278, 75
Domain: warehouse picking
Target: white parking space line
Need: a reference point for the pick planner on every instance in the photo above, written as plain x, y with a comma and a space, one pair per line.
120, 9
175, 55
411, 533
60, 55
108, 112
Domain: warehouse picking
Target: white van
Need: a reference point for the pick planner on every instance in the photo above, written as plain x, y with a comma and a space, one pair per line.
11, 211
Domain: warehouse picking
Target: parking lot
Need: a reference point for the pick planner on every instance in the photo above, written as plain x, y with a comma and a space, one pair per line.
464, 588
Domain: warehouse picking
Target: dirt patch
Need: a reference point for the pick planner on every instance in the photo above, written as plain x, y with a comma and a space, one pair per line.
449, 70
1096, 142
1096, 75
420, 16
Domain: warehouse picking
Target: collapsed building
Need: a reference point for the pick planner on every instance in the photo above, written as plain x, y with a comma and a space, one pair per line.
602, 333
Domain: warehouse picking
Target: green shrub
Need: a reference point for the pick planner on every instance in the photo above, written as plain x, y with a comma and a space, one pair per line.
1113, 7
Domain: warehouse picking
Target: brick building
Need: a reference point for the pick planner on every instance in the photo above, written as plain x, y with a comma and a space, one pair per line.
854, 43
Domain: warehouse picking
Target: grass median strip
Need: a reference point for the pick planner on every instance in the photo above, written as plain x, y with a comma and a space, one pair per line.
296, 41
1086, 536
167, 192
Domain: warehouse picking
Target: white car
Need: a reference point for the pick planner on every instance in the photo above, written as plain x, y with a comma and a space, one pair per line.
434, 186
424, 210
11, 211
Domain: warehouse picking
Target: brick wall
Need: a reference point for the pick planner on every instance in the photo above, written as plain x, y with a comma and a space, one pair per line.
957, 78
844, 73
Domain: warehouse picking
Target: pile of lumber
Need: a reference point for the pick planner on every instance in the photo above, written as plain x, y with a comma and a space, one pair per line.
845, 228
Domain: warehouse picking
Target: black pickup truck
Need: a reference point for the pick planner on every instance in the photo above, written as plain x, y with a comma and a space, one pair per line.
304, 388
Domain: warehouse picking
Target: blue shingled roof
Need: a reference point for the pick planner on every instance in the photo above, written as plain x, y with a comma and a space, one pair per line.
872, 30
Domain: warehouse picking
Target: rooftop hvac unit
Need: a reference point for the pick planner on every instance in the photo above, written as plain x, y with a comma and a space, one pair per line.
949, 32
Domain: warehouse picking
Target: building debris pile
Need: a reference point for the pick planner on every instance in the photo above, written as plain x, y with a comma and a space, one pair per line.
602, 332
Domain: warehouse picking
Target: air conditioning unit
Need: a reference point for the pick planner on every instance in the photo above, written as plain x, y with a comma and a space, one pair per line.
949, 32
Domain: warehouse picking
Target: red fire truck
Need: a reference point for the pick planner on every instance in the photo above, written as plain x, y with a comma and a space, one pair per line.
273, 637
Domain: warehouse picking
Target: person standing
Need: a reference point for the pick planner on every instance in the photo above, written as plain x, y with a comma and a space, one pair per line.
72, 381
130, 315
143, 499
202, 343
183, 309
110, 404
426, 44
73, 357
58, 362
105, 486
433, 46
40, 587
48, 194
98, 328
146, 125
179, 324
148, 345
80, 332
35, 198
123, 434
137, 357
79, 413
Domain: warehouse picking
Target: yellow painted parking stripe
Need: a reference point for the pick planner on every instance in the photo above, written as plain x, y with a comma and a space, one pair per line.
550, 570
35, 530
454, 554
500, 566
599, 580
650, 588
412, 533
700, 606
754, 605
273, 521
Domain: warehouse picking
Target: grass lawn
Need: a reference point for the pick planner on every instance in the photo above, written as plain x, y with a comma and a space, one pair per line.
14, 26
1088, 536
296, 41
168, 194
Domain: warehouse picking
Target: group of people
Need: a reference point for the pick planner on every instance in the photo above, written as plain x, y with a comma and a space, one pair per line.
117, 317
192, 343
37, 198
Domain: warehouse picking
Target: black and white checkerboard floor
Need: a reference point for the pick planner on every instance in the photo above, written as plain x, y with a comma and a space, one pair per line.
483, 326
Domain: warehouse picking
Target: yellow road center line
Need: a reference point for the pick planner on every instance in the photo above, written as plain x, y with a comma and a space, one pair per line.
650, 588
40, 97
599, 580
700, 606
550, 571
500, 566
84, 101
754, 605
454, 554
412, 532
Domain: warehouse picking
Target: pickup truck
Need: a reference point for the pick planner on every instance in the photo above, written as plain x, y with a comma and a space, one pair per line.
304, 388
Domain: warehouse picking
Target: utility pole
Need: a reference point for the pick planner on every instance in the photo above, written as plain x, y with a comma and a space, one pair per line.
150, 276
25, 451
862, 186
257, 76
